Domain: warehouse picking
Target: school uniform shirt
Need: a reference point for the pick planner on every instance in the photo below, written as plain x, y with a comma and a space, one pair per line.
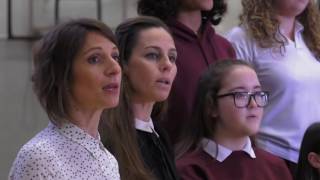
195, 54
292, 77
214, 162
155, 150
62, 153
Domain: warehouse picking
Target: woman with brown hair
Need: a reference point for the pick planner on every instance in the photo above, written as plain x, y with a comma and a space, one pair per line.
76, 76
147, 57
281, 39
198, 45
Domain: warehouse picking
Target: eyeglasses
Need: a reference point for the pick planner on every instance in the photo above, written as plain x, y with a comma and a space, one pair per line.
243, 99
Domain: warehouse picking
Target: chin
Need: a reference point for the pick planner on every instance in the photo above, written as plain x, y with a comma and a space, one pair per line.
111, 103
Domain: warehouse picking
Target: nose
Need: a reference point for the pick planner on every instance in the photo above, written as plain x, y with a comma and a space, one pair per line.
112, 68
252, 102
166, 64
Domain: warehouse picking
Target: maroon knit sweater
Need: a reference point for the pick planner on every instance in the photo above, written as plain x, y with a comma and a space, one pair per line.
239, 165
194, 55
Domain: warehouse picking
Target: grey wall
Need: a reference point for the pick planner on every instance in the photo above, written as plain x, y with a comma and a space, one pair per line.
3, 19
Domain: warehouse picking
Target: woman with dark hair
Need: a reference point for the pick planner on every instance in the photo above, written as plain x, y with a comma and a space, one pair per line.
191, 22
227, 111
76, 76
281, 39
308, 167
147, 57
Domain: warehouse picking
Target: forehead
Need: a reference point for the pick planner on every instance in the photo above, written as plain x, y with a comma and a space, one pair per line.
240, 76
154, 35
92, 37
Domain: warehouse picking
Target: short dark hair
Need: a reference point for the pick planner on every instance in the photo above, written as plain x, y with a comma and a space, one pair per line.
202, 124
53, 57
310, 143
166, 9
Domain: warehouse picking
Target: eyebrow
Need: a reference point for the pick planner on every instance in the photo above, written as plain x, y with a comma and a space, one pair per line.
159, 49
243, 88
97, 48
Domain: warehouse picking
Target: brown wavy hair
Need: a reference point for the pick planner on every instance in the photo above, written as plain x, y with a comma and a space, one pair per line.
259, 18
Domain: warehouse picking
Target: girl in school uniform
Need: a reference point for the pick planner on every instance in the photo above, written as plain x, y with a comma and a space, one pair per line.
227, 111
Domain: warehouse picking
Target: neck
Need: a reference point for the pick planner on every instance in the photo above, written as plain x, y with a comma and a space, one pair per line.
191, 19
230, 141
287, 26
88, 120
142, 110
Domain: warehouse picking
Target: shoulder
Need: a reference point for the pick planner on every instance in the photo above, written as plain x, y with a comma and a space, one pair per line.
34, 158
194, 165
264, 155
273, 162
197, 158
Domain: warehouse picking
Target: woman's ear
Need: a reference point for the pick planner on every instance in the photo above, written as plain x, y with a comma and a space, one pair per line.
314, 160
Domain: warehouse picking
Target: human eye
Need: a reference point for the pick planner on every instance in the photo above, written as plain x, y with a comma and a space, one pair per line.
116, 56
261, 94
152, 56
173, 58
241, 95
94, 59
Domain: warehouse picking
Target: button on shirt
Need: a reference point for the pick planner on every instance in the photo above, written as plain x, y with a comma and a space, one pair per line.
65, 152
220, 153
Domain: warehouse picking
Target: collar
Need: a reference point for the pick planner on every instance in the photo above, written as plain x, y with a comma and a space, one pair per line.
220, 153
146, 126
79, 136
298, 29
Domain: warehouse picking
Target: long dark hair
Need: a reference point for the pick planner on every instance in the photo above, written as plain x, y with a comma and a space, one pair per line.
310, 143
166, 9
202, 124
117, 127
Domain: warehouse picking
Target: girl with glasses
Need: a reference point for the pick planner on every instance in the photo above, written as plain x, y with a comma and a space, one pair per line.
281, 39
216, 143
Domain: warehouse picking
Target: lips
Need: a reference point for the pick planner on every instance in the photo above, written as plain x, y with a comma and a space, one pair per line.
164, 81
111, 88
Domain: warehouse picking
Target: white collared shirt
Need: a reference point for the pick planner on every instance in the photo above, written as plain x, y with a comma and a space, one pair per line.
146, 126
66, 152
220, 153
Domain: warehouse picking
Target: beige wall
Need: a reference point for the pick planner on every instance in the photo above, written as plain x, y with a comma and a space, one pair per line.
21, 115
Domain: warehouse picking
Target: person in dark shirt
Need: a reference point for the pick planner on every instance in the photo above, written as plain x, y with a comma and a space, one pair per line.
147, 57
198, 45
308, 167
227, 111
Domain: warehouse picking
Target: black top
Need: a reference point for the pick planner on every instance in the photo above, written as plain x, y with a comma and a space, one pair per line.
157, 154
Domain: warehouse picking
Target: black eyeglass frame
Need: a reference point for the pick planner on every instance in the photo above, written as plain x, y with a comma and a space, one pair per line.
250, 94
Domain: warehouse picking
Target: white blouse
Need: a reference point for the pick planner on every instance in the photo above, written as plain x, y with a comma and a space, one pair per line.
66, 152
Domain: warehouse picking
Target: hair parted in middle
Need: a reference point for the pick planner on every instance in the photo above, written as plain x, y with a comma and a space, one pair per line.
118, 124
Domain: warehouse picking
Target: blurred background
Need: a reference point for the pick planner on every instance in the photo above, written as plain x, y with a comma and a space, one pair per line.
21, 116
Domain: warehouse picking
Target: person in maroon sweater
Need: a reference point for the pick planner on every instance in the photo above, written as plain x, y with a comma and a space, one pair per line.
198, 45
227, 111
